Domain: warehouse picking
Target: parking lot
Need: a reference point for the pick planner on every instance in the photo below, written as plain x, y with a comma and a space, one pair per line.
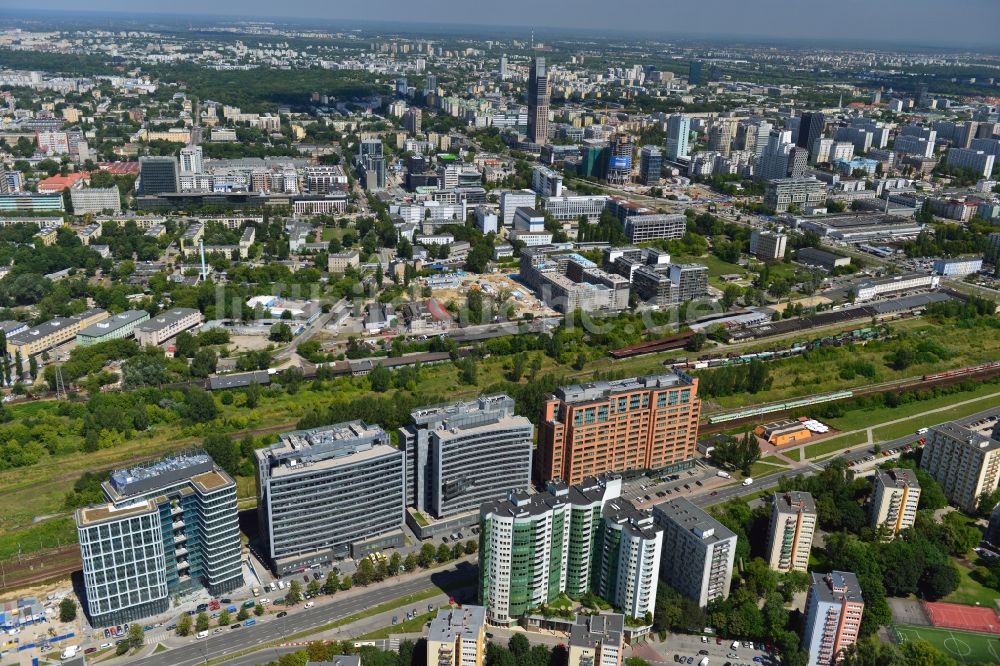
687, 649
645, 491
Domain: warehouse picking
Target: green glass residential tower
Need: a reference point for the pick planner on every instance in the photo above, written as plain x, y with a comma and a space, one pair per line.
569, 539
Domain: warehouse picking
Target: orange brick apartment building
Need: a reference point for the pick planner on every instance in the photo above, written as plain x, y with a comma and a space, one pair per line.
628, 424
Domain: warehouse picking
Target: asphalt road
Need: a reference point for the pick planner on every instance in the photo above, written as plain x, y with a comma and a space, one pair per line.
276, 629
856, 453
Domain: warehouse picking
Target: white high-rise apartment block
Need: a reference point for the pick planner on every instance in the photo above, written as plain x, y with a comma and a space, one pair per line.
191, 160
965, 463
698, 551
897, 495
793, 524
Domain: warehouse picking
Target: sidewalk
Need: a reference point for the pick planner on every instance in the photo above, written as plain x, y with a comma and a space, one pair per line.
360, 627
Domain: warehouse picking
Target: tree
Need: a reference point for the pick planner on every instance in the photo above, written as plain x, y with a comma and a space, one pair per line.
735, 453
136, 636
67, 610
184, 625
426, 556
365, 573
200, 406
346, 583
410, 562
380, 378
204, 362
294, 594
443, 553
33, 367
258, 610
395, 561
201, 622
729, 295
696, 342
224, 618
185, 345
223, 451
519, 646
280, 332
939, 580
332, 583
242, 614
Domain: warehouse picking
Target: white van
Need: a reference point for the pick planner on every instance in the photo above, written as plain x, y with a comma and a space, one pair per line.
747, 481
735, 645
69, 651
201, 635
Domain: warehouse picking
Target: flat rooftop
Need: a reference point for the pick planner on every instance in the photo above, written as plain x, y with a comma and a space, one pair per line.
593, 630
465, 622
113, 323
955, 431
795, 501
92, 515
162, 473
166, 319
690, 518
604, 389
898, 477
327, 447
499, 402
837, 586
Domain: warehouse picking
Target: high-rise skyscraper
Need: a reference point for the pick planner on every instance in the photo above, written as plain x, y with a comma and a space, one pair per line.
698, 551
694, 72
894, 504
619, 167
538, 102
810, 129
329, 492
650, 165
370, 163
503, 67
678, 135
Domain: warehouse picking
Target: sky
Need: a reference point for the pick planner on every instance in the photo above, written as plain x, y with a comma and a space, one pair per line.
955, 23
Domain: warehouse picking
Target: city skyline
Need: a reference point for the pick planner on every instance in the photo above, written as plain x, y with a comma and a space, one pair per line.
781, 20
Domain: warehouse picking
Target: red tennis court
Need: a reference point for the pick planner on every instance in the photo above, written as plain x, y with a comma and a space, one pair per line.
957, 616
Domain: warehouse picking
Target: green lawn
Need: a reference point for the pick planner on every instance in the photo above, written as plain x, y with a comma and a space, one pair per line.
970, 592
911, 426
716, 266
761, 468
863, 418
794, 454
962, 646
835, 444
414, 626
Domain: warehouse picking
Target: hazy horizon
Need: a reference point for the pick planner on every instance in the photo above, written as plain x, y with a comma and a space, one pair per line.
916, 22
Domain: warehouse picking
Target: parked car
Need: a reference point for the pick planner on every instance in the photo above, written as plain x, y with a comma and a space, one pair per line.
282, 614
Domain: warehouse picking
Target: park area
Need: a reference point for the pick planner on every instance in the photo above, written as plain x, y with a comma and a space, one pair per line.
964, 646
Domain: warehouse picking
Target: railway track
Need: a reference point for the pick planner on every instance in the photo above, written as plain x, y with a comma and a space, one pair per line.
901, 385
